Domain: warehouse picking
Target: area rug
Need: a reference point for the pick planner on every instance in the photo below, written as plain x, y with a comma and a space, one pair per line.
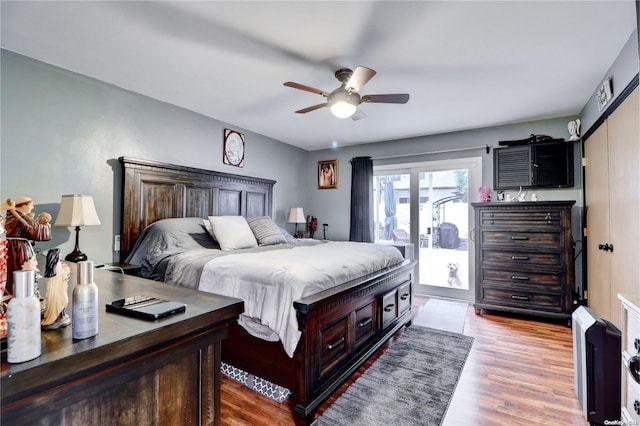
443, 315
410, 384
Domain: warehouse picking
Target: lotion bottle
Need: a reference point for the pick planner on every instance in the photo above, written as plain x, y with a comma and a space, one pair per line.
23, 319
84, 320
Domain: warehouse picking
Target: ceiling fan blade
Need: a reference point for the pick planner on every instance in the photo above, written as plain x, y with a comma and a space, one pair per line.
358, 115
359, 78
306, 88
397, 98
311, 108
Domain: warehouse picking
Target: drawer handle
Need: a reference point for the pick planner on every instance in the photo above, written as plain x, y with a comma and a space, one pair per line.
636, 406
519, 257
365, 322
519, 278
516, 297
338, 342
404, 296
389, 307
634, 367
519, 238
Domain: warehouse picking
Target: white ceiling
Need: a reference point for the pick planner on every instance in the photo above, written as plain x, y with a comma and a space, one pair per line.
465, 64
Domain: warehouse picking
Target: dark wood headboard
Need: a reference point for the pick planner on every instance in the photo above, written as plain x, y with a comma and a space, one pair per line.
154, 191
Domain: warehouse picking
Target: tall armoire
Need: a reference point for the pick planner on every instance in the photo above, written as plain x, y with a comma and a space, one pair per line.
612, 200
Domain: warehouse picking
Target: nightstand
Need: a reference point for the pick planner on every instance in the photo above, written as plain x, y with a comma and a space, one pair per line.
125, 268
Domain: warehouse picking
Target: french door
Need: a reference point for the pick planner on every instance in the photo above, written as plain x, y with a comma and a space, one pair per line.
427, 204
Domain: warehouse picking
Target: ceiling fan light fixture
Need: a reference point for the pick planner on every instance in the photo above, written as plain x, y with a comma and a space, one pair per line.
343, 104
342, 109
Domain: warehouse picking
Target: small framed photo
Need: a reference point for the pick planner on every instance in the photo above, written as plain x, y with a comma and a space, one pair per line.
604, 94
328, 174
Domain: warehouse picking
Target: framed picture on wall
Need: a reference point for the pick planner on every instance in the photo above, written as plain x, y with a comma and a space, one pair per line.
233, 149
328, 174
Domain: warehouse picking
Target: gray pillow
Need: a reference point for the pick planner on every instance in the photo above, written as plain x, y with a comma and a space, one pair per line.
266, 232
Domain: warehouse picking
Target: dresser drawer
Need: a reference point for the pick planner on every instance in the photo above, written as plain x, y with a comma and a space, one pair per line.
545, 280
631, 342
522, 299
630, 392
333, 344
525, 259
365, 322
523, 239
538, 218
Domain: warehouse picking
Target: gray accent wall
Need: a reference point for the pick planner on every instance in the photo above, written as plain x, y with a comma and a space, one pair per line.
62, 133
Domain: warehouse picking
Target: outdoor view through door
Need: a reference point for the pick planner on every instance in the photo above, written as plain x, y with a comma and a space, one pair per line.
442, 235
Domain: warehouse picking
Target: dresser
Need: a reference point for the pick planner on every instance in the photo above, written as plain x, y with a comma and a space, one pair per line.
524, 258
630, 395
134, 372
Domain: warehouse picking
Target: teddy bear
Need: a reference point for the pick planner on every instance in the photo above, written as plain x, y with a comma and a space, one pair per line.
484, 194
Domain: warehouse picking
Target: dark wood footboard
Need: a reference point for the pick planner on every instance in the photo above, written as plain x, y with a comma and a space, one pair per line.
341, 328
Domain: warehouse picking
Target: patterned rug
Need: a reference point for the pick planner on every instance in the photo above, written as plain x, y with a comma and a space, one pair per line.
260, 385
410, 384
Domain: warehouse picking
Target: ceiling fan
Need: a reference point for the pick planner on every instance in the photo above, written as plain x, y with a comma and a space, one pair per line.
343, 101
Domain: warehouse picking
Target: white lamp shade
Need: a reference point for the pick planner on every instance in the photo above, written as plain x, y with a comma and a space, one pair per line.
77, 210
296, 215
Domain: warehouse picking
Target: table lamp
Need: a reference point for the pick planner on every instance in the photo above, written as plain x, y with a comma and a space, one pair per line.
77, 210
296, 215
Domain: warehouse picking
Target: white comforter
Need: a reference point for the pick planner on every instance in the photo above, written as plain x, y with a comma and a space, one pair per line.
270, 281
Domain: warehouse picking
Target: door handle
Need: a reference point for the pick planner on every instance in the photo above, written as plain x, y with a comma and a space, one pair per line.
605, 247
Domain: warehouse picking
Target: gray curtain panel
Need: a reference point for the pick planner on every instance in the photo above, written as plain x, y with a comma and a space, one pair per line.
361, 200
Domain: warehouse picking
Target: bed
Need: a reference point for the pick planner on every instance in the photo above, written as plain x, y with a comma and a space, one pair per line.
322, 332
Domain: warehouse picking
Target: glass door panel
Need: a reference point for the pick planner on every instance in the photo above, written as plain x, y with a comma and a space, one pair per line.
392, 202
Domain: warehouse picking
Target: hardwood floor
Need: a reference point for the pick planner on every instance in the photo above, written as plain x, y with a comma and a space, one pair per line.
519, 372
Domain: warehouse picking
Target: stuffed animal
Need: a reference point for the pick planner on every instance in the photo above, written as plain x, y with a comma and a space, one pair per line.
484, 194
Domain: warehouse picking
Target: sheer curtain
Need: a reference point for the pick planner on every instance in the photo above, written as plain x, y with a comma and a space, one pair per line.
361, 200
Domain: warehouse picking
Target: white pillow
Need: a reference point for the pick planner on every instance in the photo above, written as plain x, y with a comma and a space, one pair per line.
207, 226
232, 232
266, 232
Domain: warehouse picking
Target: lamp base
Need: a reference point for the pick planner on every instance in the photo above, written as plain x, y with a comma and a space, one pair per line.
75, 256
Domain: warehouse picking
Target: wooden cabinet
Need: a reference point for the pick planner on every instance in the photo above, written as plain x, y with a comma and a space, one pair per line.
133, 372
524, 258
630, 392
612, 160
540, 165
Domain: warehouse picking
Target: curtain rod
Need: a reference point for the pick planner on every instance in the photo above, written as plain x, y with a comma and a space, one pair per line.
487, 147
